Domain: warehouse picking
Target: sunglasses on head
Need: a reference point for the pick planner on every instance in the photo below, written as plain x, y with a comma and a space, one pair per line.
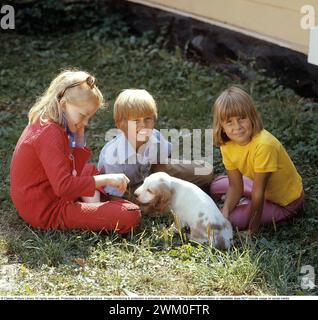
90, 81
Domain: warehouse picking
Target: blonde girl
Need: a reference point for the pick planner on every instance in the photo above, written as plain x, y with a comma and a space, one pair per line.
262, 184
51, 185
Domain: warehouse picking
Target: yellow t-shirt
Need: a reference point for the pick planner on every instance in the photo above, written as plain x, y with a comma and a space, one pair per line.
264, 153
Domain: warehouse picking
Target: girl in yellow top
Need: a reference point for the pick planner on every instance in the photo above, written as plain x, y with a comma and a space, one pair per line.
262, 183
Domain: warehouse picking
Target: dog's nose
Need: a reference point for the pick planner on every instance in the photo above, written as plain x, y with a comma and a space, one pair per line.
136, 194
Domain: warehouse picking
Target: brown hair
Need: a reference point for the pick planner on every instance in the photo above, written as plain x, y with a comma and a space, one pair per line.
233, 102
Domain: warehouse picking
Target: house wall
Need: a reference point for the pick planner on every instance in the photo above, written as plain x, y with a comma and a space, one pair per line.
277, 21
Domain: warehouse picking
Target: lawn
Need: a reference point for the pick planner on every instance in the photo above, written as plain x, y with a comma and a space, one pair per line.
149, 261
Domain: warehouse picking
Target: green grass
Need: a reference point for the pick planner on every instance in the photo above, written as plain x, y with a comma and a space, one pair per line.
150, 261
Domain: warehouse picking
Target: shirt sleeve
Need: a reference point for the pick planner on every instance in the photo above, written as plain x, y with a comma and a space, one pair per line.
101, 162
266, 158
50, 148
117, 168
228, 164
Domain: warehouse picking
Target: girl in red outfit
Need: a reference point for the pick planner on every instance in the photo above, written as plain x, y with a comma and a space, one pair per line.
51, 185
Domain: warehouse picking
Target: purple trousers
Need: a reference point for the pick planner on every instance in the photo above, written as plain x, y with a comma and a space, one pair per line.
240, 216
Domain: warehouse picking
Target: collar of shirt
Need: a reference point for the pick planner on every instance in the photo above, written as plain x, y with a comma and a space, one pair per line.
71, 137
147, 151
74, 139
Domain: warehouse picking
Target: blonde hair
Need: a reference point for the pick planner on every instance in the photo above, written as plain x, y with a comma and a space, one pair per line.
71, 85
233, 102
133, 104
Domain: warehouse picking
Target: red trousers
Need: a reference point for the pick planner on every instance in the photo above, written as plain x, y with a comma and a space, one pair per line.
120, 215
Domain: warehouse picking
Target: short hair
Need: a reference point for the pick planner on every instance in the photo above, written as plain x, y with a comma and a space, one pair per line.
133, 104
233, 102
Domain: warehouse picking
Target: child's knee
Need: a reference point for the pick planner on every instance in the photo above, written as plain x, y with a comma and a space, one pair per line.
239, 218
213, 188
131, 214
219, 185
204, 180
203, 172
134, 217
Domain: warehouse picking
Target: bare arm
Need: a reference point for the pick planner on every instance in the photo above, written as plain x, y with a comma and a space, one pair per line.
258, 197
234, 192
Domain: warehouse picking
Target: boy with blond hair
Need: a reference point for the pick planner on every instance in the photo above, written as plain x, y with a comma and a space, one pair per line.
140, 149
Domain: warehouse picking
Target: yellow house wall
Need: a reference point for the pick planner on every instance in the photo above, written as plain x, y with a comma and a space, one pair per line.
277, 21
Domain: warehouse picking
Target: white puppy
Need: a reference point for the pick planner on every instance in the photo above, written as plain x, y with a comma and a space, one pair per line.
191, 207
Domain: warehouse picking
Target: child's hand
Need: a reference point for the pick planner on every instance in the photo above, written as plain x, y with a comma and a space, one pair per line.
225, 213
254, 224
116, 180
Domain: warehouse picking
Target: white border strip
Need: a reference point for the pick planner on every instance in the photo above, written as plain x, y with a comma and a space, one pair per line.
181, 298
313, 46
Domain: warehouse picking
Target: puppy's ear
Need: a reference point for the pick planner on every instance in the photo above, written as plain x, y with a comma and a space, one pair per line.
161, 201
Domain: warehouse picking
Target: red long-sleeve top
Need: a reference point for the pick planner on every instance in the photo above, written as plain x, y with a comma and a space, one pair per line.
41, 180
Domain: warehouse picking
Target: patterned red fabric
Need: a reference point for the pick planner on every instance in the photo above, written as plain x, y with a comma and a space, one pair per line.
44, 191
